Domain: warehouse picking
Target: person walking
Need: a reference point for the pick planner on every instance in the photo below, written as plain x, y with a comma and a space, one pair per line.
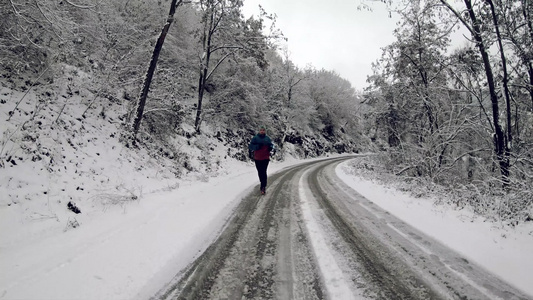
259, 150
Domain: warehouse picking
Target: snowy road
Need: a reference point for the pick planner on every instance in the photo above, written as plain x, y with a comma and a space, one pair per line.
313, 237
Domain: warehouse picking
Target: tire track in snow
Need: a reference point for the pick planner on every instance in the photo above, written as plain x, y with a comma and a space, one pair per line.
336, 284
311, 237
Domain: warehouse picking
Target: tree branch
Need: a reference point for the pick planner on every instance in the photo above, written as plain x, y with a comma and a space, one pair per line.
458, 15
218, 64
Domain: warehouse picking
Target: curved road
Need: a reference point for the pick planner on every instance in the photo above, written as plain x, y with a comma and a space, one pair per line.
313, 237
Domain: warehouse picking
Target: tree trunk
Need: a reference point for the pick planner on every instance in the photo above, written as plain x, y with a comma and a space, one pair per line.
499, 136
526, 5
530, 87
206, 40
153, 64
201, 88
509, 137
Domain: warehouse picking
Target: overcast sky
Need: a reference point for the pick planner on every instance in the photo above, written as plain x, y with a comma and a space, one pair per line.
333, 34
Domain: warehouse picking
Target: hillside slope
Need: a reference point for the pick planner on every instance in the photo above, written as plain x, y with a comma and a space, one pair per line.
50, 156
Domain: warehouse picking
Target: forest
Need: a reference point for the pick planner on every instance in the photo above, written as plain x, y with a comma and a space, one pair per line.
451, 118
460, 117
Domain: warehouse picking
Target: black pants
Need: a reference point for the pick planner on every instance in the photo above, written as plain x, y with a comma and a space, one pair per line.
261, 166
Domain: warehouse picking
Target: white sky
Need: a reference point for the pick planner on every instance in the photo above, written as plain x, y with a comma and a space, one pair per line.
333, 35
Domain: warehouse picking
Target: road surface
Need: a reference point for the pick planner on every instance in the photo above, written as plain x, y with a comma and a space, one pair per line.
313, 237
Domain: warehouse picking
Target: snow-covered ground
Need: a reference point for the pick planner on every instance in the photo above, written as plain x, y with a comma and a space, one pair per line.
139, 224
128, 252
504, 251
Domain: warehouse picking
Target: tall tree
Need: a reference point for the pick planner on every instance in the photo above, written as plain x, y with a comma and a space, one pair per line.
527, 13
288, 104
225, 34
478, 31
334, 101
505, 81
517, 24
420, 48
153, 63
413, 80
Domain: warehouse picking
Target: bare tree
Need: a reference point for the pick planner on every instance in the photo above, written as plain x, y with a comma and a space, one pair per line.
225, 34
501, 138
153, 63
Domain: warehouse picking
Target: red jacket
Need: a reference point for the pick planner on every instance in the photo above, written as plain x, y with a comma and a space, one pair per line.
263, 153
261, 145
